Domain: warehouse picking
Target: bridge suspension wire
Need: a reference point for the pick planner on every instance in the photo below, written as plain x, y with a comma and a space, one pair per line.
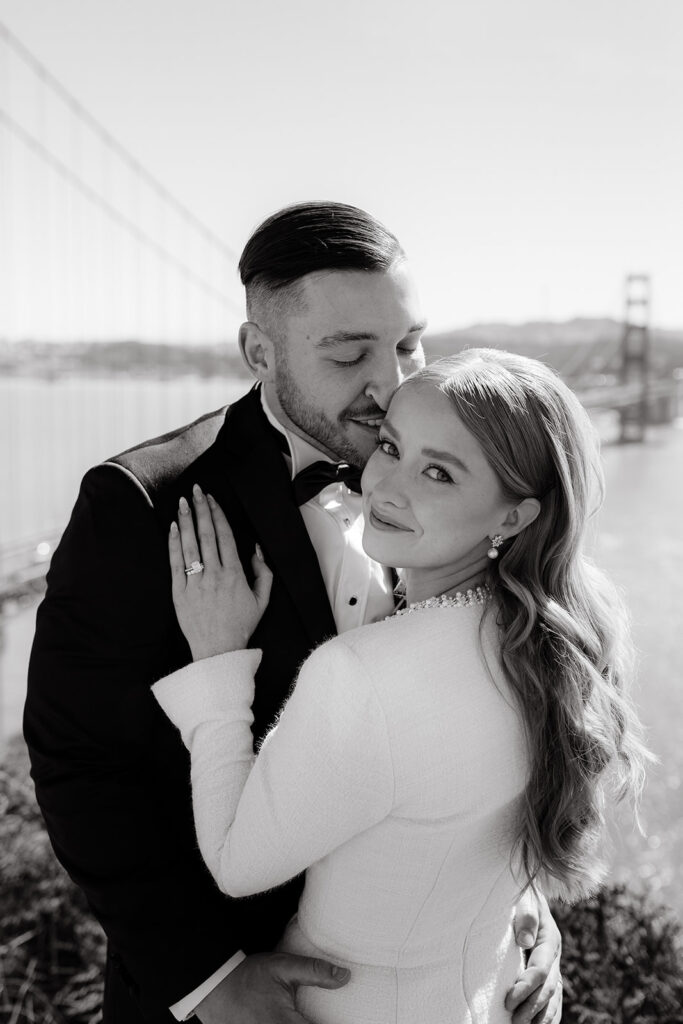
129, 225
599, 357
94, 247
116, 306
113, 144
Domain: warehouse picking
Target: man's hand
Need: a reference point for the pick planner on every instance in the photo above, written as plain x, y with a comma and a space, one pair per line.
536, 997
262, 989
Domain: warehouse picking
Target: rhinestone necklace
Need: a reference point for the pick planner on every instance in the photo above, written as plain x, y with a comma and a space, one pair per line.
459, 600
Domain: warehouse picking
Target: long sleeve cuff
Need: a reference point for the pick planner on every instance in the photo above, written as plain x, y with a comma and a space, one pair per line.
184, 1008
211, 688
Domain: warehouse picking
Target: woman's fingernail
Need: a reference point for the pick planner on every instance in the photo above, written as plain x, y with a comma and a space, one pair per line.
526, 939
183, 506
197, 491
174, 529
340, 972
211, 500
259, 553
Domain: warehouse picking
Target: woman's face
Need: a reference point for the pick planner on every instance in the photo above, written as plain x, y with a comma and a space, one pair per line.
430, 499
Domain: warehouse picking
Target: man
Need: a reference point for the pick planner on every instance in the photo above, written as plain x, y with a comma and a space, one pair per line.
334, 326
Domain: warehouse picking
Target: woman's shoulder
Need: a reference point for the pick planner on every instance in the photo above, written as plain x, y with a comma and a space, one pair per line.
406, 643
405, 628
350, 658
392, 675
339, 679
365, 641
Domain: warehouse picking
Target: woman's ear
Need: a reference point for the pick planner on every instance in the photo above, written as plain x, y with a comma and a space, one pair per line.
257, 351
520, 517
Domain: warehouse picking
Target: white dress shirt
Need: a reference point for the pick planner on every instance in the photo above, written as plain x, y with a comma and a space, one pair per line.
358, 588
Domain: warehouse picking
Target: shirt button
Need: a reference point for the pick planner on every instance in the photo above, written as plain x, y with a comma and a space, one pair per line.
353, 600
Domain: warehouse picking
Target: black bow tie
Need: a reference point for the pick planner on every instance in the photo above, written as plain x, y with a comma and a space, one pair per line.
318, 475
314, 478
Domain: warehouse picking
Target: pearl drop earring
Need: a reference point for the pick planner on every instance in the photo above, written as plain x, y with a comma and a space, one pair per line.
495, 544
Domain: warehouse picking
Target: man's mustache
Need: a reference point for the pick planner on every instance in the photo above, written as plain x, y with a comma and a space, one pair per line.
373, 413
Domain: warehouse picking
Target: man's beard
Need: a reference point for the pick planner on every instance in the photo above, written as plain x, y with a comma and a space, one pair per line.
313, 422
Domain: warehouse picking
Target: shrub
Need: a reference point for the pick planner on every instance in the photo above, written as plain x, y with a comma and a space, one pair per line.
51, 949
620, 962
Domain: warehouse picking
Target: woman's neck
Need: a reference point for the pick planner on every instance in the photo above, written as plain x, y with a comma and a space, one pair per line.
422, 584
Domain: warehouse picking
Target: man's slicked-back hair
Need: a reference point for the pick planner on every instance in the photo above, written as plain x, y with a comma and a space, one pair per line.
308, 237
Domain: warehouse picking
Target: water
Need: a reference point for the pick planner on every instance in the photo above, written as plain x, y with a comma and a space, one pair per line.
60, 429
640, 543
52, 432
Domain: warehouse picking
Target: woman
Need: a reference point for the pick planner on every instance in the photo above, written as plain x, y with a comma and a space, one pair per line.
428, 767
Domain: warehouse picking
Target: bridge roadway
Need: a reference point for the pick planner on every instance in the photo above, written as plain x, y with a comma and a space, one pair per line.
621, 396
23, 567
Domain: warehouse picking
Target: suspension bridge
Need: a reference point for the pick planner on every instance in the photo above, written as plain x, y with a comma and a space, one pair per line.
95, 248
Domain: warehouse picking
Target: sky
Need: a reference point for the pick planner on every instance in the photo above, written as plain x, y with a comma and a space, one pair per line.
528, 154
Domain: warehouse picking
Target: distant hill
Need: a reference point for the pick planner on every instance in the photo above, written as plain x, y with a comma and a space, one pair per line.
538, 332
574, 347
127, 358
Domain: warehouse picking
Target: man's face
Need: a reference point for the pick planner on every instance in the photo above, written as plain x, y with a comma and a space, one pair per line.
341, 355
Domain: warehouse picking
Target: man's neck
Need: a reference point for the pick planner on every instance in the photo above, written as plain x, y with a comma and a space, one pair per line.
303, 450
271, 405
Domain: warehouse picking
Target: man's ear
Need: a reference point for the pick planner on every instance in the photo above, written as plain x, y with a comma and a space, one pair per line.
257, 351
520, 517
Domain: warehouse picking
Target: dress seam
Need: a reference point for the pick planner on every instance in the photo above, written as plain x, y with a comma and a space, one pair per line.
465, 990
379, 704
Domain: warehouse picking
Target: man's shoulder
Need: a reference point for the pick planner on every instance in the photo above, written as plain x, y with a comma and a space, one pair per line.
208, 450
158, 460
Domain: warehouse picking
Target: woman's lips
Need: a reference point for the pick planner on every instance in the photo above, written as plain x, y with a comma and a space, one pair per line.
380, 523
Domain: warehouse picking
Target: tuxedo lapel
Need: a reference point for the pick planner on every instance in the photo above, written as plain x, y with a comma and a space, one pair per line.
260, 480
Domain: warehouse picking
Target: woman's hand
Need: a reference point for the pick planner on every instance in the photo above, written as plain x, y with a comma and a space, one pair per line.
216, 608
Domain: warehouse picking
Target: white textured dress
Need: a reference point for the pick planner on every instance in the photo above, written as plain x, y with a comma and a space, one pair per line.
394, 778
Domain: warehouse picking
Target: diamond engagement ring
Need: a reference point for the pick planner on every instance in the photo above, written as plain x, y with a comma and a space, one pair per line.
194, 567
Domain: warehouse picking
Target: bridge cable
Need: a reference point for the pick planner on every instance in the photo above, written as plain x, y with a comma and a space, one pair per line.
91, 194
101, 132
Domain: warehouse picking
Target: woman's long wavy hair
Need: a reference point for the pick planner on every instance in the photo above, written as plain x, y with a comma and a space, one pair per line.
565, 641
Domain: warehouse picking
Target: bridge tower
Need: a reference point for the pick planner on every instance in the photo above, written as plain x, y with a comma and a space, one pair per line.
635, 355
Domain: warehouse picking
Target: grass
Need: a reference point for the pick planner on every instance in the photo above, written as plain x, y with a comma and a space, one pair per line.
621, 959
51, 950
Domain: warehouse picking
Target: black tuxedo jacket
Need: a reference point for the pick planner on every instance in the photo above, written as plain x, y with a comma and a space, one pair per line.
111, 773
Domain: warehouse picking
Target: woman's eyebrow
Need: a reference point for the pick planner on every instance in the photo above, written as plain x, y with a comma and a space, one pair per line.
431, 453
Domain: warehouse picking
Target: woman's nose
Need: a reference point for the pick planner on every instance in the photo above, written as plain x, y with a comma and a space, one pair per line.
390, 489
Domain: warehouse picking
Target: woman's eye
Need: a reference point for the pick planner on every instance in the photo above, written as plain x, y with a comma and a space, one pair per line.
439, 474
388, 447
